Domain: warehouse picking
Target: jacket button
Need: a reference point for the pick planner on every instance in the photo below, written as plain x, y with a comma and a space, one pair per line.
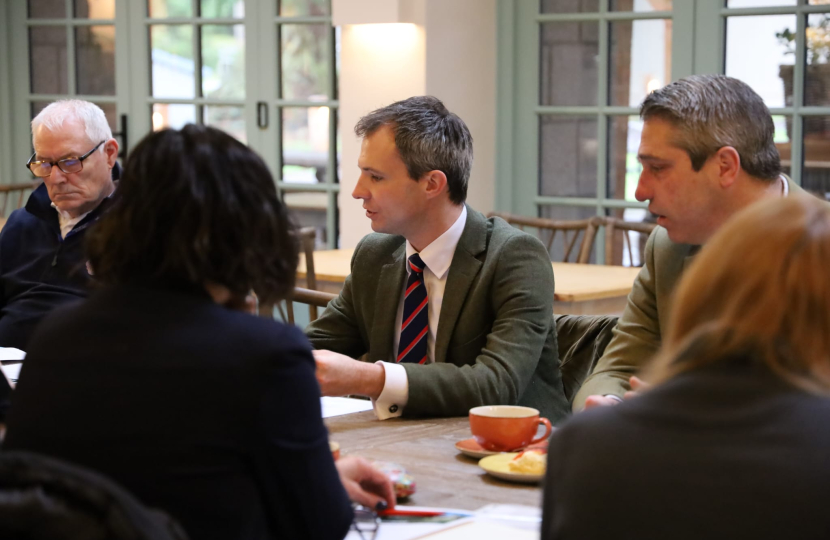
393, 409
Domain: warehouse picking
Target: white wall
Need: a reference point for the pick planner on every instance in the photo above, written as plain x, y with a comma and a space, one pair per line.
450, 54
461, 71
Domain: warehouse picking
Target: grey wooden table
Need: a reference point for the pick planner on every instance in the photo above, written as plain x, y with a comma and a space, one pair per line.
426, 449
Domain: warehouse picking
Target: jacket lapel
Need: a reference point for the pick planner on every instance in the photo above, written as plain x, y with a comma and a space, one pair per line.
463, 270
388, 294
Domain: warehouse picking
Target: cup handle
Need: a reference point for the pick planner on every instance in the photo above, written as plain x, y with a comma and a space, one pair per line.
546, 434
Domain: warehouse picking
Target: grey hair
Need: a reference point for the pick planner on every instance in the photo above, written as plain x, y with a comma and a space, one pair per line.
54, 115
428, 137
713, 111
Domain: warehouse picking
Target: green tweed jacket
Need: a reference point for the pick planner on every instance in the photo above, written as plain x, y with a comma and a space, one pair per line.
496, 341
637, 335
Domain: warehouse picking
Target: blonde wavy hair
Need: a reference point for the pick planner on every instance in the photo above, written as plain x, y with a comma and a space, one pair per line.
760, 289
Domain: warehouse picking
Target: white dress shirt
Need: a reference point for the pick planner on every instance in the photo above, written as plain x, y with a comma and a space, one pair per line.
437, 258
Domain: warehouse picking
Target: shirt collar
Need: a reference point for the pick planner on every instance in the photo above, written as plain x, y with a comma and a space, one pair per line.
437, 256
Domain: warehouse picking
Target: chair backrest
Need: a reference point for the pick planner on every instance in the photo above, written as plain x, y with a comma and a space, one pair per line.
12, 196
612, 225
549, 228
313, 299
46, 498
581, 340
308, 238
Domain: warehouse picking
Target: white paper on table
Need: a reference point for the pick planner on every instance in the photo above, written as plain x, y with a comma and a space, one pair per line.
337, 406
11, 371
490, 522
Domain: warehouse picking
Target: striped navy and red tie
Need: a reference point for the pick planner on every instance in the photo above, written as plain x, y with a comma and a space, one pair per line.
415, 322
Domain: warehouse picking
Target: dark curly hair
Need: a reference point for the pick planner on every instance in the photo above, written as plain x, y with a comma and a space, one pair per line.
196, 205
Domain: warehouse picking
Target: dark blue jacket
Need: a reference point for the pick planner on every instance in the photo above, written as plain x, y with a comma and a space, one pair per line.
39, 270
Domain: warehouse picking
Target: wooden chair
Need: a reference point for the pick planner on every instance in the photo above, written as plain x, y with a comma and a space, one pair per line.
313, 299
15, 194
570, 232
308, 237
612, 225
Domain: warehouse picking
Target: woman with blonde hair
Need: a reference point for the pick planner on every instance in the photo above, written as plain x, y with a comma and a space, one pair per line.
732, 439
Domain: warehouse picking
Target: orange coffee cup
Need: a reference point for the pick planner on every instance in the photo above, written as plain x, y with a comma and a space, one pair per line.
502, 428
335, 450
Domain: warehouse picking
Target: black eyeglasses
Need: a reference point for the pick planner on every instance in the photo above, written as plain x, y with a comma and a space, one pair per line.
42, 169
366, 522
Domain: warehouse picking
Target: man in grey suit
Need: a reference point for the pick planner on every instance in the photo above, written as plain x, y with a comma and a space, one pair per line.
454, 310
707, 152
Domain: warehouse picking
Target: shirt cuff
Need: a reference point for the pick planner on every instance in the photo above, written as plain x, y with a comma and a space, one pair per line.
395, 393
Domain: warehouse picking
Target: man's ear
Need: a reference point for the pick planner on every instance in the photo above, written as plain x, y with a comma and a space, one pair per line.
111, 151
436, 183
728, 163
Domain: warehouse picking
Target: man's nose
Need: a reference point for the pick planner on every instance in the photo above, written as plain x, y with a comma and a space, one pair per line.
359, 191
56, 175
643, 191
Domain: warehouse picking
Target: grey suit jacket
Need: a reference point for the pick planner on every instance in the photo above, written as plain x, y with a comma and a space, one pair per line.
637, 336
496, 341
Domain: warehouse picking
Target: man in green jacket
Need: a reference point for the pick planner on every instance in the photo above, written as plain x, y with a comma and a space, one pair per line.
707, 152
453, 310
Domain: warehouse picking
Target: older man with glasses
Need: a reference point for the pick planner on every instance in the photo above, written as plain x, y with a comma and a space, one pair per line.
42, 262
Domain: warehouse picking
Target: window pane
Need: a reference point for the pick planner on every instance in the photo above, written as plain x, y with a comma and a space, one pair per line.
568, 213
223, 61
301, 8
95, 65
223, 8
48, 68
568, 156
815, 176
568, 63
817, 72
760, 3
229, 119
304, 69
172, 57
305, 144
38, 106
47, 9
94, 9
172, 115
309, 210
640, 60
623, 168
783, 137
570, 6
640, 5
169, 8
756, 56
111, 114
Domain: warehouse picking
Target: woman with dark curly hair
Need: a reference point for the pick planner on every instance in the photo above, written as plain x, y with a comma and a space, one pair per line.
163, 382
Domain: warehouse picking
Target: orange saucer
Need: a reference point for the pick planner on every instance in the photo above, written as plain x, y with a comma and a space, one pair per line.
470, 447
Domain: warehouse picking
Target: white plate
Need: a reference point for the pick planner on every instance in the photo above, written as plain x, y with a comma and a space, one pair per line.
498, 466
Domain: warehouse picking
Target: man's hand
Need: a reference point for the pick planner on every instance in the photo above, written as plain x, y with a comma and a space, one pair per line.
365, 484
637, 387
600, 401
339, 375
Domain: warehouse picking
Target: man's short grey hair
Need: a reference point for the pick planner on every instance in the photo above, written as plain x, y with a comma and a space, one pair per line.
56, 114
713, 111
428, 138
